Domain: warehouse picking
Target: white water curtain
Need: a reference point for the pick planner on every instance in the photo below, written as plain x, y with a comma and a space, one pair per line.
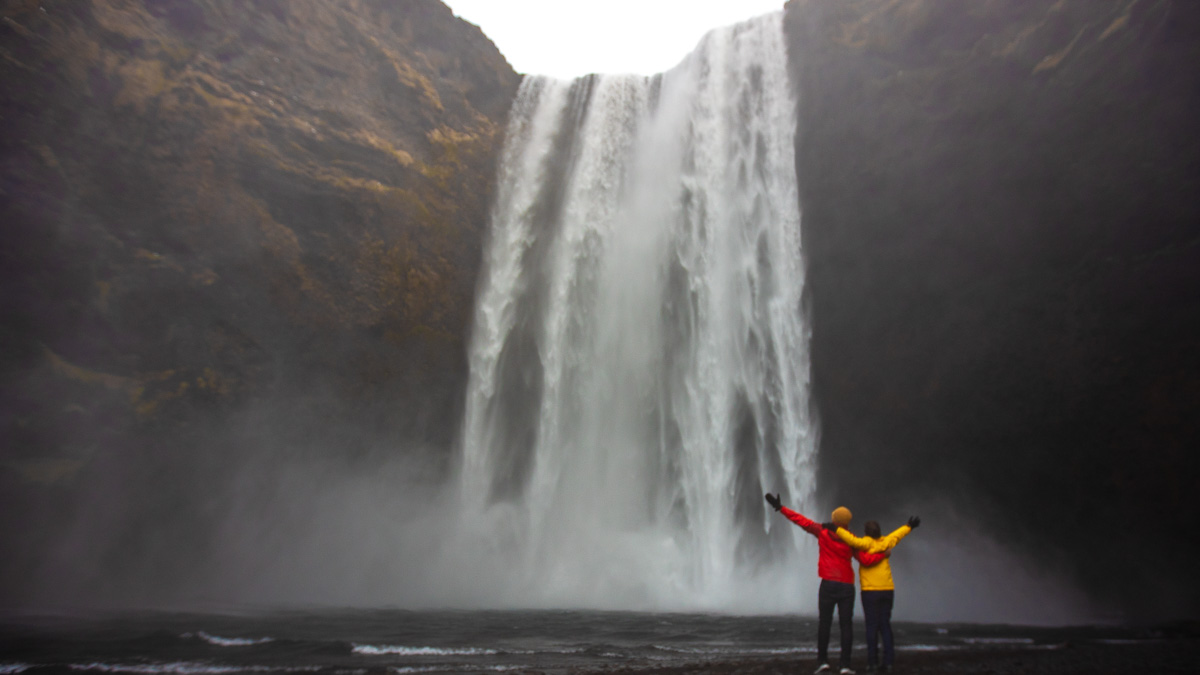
639, 368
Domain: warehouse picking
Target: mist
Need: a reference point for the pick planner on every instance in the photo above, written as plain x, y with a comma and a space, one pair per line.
392, 531
388, 533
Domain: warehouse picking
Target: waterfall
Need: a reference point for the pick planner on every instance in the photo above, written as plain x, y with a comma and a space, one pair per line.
639, 363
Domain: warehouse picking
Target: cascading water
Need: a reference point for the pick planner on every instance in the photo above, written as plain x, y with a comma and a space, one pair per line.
639, 363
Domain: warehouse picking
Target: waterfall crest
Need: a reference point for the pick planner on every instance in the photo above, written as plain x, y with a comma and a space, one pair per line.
639, 363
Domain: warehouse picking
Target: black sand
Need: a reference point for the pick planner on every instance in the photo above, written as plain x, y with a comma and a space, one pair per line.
1092, 658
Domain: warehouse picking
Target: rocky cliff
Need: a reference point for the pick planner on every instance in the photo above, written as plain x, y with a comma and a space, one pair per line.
230, 226
1002, 225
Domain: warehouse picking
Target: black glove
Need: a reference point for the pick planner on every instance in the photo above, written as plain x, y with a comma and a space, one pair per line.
914, 521
832, 527
773, 500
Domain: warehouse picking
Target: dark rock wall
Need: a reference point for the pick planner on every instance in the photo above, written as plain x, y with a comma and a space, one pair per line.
1001, 206
228, 229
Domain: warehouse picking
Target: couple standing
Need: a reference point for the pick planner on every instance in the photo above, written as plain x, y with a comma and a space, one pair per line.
837, 546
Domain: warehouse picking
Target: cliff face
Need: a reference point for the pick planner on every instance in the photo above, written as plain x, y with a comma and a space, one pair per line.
232, 224
209, 201
1003, 237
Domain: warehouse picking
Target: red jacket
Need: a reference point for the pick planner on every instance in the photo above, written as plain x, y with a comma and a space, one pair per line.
834, 562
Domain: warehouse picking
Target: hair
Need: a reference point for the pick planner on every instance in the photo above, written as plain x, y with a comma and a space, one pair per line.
872, 529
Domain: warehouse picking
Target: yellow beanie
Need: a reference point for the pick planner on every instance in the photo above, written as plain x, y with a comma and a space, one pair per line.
842, 516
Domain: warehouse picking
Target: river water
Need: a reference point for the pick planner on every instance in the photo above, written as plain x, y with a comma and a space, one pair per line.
357, 642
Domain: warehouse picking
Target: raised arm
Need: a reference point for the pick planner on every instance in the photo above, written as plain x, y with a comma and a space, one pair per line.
808, 525
899, 533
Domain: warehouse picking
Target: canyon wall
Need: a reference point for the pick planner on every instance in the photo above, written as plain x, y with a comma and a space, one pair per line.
230, 230
1001, 214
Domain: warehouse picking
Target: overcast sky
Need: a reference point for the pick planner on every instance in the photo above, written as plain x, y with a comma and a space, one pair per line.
569, 38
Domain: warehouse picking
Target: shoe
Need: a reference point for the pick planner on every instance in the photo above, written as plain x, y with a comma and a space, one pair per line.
846, 671
823, 668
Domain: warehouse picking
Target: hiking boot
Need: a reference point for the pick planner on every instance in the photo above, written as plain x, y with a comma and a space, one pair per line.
823, 668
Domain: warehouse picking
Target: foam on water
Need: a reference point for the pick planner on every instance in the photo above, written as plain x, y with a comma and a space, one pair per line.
231, 642
182, 668
379, 650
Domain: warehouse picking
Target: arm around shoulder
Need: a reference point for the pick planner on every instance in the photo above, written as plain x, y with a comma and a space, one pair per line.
871, 559
864, 543
869, 544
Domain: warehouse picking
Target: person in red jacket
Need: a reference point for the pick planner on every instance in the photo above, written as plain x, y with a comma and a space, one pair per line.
837, 580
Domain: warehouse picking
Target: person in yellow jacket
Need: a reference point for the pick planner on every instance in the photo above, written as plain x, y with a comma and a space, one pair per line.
878, 589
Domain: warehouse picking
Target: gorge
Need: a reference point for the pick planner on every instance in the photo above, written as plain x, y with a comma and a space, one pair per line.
244, 244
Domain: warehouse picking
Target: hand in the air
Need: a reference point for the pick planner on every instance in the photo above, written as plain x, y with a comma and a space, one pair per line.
773, 500
914, 521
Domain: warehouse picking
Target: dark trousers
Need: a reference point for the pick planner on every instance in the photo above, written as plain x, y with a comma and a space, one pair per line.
835, 593
877, 608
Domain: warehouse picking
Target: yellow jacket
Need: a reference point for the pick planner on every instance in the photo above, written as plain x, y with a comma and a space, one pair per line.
877, 577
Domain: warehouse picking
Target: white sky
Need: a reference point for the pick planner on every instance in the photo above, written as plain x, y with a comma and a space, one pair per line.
569, 38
